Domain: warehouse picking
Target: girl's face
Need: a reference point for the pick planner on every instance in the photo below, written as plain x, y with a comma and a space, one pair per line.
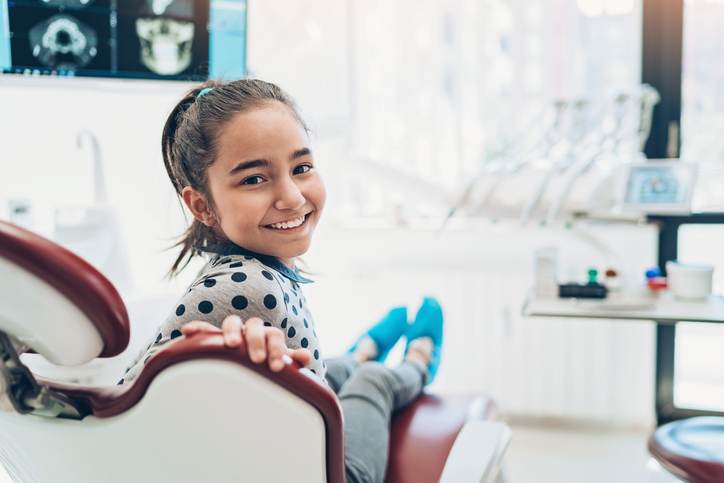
267, 194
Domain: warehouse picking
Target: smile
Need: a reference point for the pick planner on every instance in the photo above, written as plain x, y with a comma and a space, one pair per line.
289, 225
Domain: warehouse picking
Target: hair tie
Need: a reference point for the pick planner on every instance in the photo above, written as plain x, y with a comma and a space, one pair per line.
203, 92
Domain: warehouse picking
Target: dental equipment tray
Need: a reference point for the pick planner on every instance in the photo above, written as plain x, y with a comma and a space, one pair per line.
663, 308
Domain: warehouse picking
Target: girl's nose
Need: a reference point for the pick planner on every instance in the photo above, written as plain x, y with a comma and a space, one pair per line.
289, 196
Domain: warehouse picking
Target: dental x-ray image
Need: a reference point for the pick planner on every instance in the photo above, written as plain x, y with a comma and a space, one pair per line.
63, 42
165, 44
148, 39
163, 37
60, 39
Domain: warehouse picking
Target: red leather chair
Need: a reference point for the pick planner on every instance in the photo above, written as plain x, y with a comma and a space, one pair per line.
198, 411
691, 449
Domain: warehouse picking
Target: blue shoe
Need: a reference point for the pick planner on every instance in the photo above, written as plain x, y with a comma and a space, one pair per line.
386, 332
428, 323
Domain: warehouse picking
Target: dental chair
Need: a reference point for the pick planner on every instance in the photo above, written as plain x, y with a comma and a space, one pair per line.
691, 449
198, 411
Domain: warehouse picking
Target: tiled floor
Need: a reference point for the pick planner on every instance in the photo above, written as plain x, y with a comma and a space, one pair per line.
553, 455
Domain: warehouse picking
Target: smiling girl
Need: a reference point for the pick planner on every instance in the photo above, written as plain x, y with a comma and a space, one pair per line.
238, 155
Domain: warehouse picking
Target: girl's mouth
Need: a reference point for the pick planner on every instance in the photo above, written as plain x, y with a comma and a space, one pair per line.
290, 226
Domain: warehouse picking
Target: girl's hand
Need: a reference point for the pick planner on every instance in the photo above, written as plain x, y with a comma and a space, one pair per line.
262, 343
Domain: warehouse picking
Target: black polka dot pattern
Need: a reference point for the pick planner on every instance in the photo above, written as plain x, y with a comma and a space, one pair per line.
270, 301
206, 307
229, 285
239, 302
238, 277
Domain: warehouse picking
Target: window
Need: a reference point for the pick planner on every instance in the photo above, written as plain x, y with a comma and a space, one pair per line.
699, 367
443, 87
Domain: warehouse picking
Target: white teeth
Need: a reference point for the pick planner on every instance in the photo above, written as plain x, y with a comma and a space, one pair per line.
288, 224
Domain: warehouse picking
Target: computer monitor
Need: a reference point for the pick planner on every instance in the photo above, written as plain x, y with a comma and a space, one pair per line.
188, 40
663, 186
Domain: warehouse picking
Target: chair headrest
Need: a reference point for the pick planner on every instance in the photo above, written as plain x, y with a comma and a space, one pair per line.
57, 303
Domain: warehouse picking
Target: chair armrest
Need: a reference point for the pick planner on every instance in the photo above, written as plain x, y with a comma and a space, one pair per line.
477, 452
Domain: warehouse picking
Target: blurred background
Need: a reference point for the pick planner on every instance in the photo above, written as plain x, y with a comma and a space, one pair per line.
455, 139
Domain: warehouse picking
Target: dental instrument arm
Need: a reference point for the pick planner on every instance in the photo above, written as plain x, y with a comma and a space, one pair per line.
598, 150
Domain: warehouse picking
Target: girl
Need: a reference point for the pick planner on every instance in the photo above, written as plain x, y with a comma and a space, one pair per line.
238, 155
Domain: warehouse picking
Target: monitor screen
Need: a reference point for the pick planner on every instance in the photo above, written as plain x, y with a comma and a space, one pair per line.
659, 184
145, 39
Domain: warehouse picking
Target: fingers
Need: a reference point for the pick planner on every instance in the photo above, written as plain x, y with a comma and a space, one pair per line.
276, 348
302, 356
255, 339
232, 329
262, 343
197, 326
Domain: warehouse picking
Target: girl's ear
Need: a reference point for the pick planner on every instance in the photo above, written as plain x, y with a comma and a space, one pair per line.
199, 207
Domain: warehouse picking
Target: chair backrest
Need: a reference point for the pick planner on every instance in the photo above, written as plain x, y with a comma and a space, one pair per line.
55, 302
197, 412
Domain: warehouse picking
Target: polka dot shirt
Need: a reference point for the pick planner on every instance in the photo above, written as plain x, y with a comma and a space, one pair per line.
249, 286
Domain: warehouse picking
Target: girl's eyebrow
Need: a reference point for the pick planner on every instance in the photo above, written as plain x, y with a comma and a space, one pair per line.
255, 163
263, 163
299, 153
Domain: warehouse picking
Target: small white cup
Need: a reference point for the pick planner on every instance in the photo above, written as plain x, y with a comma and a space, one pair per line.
689, 281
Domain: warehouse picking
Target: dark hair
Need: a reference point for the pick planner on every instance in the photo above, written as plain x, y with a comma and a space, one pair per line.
189, 144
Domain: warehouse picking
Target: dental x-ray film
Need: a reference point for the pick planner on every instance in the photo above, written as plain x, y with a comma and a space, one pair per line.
156, 39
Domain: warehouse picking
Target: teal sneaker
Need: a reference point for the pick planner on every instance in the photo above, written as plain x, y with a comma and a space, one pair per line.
428, 323
386, 332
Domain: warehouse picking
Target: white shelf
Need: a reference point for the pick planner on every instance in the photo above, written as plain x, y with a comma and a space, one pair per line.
663, 308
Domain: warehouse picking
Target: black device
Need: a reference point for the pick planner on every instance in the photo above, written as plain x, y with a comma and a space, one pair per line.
593, 290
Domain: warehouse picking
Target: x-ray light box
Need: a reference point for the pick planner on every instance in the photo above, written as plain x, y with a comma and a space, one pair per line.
147, 39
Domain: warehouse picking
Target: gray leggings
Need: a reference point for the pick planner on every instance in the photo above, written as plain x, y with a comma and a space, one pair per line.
369, 393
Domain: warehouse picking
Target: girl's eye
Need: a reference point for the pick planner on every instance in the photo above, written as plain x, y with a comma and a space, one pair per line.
302, 168
252, 180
